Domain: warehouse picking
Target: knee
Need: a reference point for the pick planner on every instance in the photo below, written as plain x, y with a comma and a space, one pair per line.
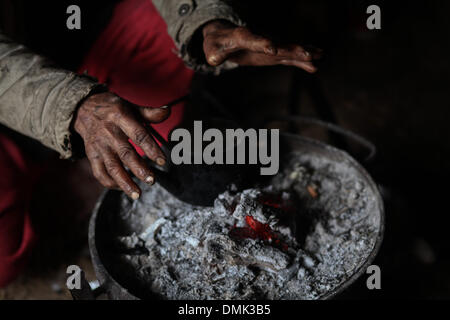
16, 232
16, 238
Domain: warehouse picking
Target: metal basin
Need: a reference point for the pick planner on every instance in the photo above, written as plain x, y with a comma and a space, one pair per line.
108, 205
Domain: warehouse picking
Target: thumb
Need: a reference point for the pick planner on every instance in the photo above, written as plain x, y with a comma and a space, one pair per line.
154, 115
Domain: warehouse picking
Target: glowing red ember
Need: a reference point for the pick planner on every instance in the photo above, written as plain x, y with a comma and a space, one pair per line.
276, 201
261, 230
257, 230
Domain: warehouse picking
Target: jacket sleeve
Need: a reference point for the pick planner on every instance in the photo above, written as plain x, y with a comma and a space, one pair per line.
38, 99
185, 17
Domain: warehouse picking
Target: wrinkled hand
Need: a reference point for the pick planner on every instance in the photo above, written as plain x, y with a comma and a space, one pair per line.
106, 123
223, 41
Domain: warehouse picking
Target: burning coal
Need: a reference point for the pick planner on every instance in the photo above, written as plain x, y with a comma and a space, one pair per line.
298, 238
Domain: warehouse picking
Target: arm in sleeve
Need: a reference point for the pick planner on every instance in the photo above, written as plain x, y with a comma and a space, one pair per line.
184, 19
37, 99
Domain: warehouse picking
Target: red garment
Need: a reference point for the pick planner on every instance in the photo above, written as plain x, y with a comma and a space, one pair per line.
136, 57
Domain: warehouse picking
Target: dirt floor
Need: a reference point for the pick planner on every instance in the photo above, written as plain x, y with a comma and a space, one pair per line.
389, 86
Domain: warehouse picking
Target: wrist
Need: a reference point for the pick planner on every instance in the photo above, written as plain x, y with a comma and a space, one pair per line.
76, 138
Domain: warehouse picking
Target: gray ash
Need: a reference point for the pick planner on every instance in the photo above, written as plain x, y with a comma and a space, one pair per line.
300, 237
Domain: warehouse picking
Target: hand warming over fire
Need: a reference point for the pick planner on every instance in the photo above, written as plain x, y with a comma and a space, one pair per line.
106, 123
223, 41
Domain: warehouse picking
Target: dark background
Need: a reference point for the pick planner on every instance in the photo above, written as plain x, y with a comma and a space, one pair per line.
390, 86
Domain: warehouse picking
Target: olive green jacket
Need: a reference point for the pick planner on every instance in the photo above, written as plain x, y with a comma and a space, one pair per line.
39, 100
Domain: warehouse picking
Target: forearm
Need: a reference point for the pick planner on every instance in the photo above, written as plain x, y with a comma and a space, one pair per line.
185, 18
37, 99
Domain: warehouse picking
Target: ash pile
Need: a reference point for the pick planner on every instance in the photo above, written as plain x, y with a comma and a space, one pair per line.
300, 237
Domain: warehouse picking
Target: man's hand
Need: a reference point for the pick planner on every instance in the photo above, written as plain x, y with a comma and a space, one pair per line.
106, 123
223, 41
